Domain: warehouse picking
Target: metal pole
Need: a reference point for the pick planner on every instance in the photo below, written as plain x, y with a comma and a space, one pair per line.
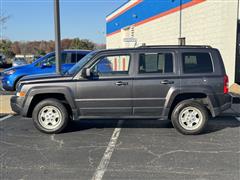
57, 36
180, 20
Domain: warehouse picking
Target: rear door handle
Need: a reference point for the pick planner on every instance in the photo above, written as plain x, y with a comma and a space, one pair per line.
167, 82
120, 83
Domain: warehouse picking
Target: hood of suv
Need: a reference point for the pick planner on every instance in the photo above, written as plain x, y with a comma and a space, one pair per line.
23, 67
44, 78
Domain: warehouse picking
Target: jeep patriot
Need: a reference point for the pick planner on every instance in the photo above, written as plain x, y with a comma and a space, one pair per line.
186, 84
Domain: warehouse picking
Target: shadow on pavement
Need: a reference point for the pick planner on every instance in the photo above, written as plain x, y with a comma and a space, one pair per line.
213, 125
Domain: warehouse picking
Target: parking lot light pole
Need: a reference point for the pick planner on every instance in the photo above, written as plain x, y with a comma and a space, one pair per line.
57, 36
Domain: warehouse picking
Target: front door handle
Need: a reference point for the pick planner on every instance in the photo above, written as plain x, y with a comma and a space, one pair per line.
120, 83
167, 82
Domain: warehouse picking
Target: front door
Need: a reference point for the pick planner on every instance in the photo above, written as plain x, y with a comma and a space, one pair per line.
152, 82
109, 91
48, 65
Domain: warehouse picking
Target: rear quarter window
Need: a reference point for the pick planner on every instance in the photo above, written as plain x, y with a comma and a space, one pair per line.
194, 62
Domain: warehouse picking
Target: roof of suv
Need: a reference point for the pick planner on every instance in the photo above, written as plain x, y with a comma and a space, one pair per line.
175, 46
160, 47
76, 50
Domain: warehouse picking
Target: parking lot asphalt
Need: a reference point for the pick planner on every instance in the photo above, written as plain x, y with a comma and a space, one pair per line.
107, 149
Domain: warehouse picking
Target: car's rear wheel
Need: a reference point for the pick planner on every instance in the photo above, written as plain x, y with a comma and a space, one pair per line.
50, 116
189, 117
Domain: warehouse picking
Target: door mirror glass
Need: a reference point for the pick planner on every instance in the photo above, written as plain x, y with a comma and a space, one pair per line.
45, 65
86, 73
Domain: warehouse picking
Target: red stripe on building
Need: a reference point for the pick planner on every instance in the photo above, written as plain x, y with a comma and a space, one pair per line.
115, 64
124, 10
118, 31
192, 3
184, 6
124, 64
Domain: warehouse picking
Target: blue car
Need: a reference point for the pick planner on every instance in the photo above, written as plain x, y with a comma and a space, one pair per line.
45, 64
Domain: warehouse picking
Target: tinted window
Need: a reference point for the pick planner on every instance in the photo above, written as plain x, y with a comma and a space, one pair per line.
80, 64
112, 65
76, 57
156, 63
197, 63
51, 60
66, 58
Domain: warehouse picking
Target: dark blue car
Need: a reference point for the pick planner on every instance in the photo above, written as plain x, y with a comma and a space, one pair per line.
45, 64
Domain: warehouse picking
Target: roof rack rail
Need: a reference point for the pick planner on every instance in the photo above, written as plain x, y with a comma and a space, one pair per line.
174, 46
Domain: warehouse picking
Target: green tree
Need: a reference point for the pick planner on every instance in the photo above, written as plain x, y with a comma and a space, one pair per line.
5, 48
40, 52
82, 44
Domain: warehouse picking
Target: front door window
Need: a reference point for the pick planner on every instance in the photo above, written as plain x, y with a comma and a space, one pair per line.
112, 66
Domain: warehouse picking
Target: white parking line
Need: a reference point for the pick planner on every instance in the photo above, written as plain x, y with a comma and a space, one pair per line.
102, 167
5, 117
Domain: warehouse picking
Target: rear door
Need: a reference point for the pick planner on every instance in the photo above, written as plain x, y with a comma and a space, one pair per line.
47, 65
155, 76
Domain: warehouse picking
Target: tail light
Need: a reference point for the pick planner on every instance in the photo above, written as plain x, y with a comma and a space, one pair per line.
226, 83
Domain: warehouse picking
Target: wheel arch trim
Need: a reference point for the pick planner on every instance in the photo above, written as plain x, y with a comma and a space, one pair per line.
65, 91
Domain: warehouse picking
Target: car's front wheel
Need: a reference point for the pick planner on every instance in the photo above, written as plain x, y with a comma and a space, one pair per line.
189, 117
50, 116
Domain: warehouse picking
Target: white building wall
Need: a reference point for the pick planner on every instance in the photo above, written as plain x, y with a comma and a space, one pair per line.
114, 41
212, 22
162, 31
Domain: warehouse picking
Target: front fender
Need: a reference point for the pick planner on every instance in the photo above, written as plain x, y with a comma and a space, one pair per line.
38, 90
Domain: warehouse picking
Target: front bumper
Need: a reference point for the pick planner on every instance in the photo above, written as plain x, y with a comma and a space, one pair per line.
7, 85
17, 104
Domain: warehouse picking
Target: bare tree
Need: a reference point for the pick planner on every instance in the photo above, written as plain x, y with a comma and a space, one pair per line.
3, 20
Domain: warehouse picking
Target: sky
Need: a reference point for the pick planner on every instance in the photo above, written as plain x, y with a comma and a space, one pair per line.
33, 19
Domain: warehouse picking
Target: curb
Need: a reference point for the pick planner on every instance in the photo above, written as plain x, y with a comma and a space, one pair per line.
5, 107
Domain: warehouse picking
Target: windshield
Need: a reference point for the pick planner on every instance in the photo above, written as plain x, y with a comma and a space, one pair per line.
81, 63
42, 58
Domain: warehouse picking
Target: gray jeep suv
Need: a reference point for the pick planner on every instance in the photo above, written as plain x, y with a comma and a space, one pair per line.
187, 84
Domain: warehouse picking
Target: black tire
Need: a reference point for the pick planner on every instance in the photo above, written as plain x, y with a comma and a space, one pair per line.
64, 117
182, 107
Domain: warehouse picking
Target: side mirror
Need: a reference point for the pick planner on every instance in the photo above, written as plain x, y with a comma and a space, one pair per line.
86, 73
44, 65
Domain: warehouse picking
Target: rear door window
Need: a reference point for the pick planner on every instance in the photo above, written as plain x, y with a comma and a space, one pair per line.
194, 62
156, 63
76, 57
66, 58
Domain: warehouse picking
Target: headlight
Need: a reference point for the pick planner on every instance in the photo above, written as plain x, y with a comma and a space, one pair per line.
10, 72
19, 91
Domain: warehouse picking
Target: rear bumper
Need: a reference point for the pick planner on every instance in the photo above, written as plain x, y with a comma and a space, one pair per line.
235, 98
226, 104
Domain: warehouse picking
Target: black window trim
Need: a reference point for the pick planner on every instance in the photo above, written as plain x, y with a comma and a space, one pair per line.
111, 55
196, 74
157, 52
